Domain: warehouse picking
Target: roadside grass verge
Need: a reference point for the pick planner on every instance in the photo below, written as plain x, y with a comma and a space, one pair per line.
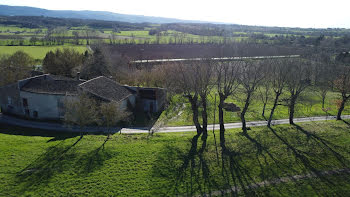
169, 164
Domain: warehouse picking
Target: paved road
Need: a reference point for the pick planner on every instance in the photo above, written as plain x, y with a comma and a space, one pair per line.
250, 124
59, 127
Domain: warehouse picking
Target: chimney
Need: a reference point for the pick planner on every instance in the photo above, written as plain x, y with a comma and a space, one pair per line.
78, 76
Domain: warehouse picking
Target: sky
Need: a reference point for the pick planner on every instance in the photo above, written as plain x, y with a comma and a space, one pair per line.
291, 13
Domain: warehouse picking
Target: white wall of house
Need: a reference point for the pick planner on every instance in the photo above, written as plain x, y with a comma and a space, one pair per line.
46, 105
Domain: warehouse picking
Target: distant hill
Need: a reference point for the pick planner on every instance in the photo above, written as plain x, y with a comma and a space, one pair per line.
6, 10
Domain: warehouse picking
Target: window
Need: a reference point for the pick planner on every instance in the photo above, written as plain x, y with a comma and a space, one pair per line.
25, 102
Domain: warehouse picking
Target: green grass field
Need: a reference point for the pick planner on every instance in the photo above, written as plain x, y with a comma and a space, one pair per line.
138, 36
12, 28
37, 163
37, 52
309, 104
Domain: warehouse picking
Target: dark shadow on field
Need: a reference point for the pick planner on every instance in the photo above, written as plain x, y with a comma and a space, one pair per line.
195, 166
346, 122
326, 144
51, 162
238, 173
273, 168
94, 159
265, 159
251, 165
186, 172
197, 172
57, 135
235, 174
312, 162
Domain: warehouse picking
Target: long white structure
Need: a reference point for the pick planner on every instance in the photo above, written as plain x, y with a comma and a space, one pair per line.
215, 58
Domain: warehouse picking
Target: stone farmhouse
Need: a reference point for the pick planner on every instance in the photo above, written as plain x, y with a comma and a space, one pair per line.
42, 97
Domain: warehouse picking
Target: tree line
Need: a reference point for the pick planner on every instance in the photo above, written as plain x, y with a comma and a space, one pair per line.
269, 79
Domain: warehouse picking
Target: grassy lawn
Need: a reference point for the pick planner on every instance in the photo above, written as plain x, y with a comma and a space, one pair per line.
309, 105
50, 164
37, 52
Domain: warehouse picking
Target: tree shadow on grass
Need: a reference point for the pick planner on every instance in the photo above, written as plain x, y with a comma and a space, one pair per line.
346, 122
314, 162
236, 174
23, 131
94, 159
184, 172
53, 161
271, 168
327, 145
196, 171
254, 166
193, 175
247, 169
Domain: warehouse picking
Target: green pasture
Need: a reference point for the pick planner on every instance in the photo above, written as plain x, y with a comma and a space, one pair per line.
12, 28
135, 36
37, 52
43, 163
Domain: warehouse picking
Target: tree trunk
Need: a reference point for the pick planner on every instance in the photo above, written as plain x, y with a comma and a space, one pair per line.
265, 101
263, 111
194, 106
323, 100
244, 123
221, 120
341, 108
273, 108
204, 116
291, 108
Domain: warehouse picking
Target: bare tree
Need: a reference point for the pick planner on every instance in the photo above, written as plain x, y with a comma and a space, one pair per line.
342, 85
81, 111
250, 77
89, 33
265, 87
193, 80
76, 37
298, 80
111, 114
278, 73
60, 33
323, 74
227, 73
